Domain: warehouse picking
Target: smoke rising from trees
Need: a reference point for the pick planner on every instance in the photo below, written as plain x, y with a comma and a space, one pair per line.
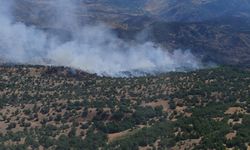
95, 49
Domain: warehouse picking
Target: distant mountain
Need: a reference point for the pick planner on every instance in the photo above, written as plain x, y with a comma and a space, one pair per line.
217, 30
221, 42
197, 10
182, 10
167, 10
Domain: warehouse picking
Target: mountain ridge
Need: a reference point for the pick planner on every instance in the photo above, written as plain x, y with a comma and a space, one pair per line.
223, 39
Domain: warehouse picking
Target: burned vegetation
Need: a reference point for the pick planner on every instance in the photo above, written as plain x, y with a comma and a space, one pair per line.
60, 108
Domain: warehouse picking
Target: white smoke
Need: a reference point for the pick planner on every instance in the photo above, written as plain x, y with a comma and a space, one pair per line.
95, 49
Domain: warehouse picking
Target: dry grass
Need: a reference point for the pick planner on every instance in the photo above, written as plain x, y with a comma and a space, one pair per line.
235, 110
231, 135
163, 103
116, 136
186, 144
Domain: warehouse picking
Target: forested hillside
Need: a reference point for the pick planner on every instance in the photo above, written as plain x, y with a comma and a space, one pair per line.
61, 108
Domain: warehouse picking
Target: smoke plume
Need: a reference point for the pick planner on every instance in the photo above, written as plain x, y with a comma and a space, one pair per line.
95, 49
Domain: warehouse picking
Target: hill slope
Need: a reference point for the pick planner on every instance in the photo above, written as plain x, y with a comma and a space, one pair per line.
58, 108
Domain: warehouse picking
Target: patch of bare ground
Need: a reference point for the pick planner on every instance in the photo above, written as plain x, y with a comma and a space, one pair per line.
235, 110
163, 103
233, 122
180, 109
188, 114
218, 118
116, 136
231, 135
91, 113
146, 148
17, 129
22, 141
3, 127
41, 148
186, 144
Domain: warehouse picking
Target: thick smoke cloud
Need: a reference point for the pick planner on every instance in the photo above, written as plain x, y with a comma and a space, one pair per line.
95, 49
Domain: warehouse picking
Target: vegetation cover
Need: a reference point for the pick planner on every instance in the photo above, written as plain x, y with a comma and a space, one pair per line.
61, 108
